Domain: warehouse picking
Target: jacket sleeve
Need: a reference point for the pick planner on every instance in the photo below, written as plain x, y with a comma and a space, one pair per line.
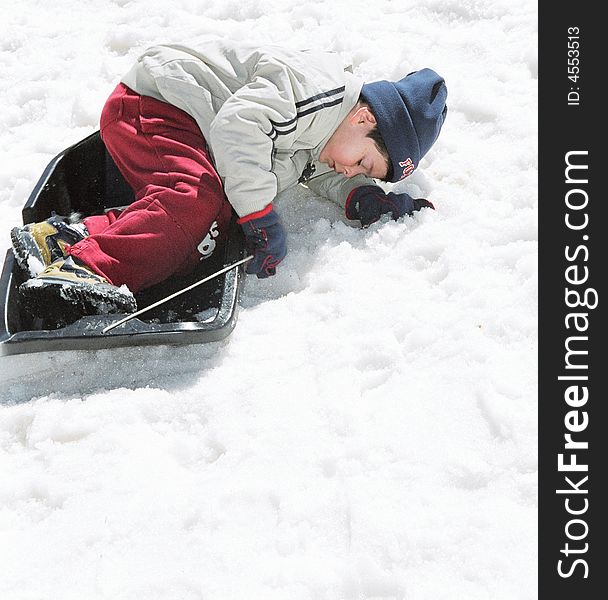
336, 187
241, 137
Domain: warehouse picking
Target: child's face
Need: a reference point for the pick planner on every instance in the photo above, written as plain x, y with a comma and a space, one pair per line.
349, 151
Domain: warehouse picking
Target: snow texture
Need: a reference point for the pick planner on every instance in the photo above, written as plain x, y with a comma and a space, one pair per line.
369, 429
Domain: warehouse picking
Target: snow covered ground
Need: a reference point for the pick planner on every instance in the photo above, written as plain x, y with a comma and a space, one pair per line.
369, 429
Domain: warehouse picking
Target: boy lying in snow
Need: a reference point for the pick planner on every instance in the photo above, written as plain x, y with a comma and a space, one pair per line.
197, 134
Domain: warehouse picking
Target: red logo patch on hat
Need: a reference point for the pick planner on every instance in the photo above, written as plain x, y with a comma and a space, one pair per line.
408, 167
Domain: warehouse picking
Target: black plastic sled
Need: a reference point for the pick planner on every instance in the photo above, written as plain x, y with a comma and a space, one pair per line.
84, 179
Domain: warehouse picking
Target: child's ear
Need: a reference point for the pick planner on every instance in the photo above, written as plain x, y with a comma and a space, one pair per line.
371, 118
363, 114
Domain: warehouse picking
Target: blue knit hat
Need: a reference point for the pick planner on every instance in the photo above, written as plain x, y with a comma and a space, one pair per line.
409, 113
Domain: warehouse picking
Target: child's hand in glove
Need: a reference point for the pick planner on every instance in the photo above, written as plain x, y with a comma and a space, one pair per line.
368, 202
265, 239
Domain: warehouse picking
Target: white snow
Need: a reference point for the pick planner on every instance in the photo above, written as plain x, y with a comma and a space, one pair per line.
34, 266
369, 429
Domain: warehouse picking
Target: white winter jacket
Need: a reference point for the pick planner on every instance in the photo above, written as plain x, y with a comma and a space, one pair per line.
266, 113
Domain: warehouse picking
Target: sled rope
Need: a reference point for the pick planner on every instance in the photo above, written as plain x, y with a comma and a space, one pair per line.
179, 292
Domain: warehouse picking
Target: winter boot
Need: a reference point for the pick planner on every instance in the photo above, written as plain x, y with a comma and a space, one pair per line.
67, 290
38, 245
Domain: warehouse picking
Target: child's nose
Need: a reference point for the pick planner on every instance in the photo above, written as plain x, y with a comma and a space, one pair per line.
340, 168
351, 171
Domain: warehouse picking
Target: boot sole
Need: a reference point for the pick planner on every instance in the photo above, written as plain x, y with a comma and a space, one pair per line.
26, 251
65, 302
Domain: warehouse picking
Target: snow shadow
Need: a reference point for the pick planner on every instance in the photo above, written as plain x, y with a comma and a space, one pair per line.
80, 373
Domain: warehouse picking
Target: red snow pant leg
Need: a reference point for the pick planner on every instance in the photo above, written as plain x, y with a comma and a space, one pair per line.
98, 223
179, 207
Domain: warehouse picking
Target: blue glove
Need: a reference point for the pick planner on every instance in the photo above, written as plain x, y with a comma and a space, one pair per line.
369, 202
265, 239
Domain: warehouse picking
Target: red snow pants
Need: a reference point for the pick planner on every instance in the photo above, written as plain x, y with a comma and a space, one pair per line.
180, 210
